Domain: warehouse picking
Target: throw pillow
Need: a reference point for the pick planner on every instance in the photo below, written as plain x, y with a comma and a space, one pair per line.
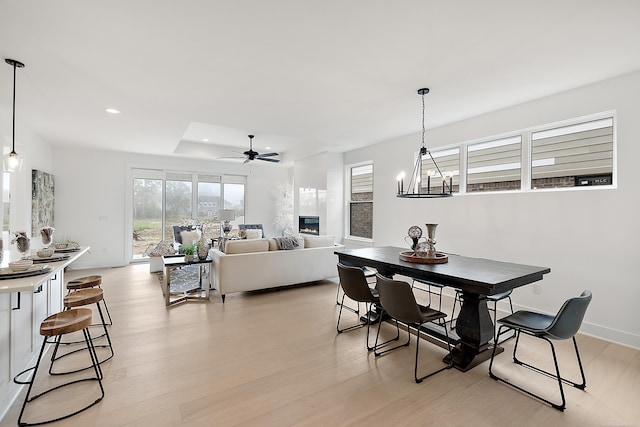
254, 233
188, 237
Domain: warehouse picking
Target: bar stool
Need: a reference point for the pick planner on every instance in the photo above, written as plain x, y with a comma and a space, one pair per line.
56, 325
92, 281
76, 299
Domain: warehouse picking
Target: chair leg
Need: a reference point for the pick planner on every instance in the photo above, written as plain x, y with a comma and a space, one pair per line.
495, 322
456, 299
376, 345
447, 366
556, 376
359, 325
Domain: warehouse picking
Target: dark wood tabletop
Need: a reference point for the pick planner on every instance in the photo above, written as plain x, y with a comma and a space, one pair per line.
477, 275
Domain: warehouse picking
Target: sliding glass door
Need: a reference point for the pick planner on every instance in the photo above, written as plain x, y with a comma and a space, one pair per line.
162, 199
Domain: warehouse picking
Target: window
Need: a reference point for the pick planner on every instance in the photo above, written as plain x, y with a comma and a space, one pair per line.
449, 163
495, 165
574, 155
164, 199
361, 201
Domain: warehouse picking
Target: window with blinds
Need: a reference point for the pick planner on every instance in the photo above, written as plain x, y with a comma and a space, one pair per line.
449, 164
361, 202
574, 155
495, 165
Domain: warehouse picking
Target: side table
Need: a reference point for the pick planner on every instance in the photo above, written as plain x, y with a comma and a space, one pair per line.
172, 262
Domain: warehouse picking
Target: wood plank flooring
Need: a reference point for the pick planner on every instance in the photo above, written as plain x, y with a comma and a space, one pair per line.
275, 359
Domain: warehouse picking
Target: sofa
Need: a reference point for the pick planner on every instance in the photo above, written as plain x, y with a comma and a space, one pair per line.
255, 264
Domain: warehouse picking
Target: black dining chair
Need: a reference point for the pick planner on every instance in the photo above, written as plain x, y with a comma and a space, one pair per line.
398, 301
354, 285
437, 290
368, 274
564, 325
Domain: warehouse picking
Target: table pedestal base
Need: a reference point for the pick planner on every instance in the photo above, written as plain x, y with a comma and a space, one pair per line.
465, 358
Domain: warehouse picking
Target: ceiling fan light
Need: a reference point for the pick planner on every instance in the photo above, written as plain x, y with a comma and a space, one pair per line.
12, 162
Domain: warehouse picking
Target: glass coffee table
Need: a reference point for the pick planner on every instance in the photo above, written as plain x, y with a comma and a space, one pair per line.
199, 291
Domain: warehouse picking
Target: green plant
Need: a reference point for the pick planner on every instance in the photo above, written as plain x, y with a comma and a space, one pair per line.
189, 249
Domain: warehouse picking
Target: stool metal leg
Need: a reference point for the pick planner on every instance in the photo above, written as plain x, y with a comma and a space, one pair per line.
28, 398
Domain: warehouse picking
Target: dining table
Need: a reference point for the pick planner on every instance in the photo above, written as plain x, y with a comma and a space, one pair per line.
475, 278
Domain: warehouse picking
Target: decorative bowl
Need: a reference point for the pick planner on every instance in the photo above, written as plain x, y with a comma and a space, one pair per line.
45, 253
61, 245
20, 265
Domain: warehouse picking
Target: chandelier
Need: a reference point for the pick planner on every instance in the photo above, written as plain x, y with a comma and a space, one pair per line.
415, 189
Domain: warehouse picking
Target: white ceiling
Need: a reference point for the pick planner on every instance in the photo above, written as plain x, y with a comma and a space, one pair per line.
303, 76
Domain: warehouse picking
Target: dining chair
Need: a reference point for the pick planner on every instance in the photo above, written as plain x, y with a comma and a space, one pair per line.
564, 325
368, 274
354, 285
437, 291
398, 301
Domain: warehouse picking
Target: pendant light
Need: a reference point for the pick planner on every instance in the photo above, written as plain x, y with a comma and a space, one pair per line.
13, 162
415, 190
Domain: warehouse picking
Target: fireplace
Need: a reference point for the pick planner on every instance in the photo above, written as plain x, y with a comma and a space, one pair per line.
309, 225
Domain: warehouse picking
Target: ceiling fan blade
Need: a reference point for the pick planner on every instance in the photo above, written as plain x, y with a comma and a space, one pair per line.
268, 155
246, 161
231, 157
268, 160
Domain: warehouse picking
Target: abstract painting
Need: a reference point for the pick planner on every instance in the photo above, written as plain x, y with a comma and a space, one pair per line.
42, 192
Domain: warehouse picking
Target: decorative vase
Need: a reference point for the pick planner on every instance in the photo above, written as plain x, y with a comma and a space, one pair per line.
47, 235
431, 240
188, 258
203, 248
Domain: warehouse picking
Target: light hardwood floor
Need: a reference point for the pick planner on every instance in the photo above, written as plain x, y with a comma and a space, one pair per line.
274, 359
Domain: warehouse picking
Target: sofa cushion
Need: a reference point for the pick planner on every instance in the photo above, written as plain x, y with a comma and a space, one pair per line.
246, 246
318, 241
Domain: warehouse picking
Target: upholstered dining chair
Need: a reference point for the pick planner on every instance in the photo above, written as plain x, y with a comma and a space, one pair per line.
437, 290
368, 274
398, 301
564, 325
354, 285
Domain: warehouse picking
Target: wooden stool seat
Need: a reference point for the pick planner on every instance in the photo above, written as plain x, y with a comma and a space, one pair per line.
83, 297
85, 282
66, 322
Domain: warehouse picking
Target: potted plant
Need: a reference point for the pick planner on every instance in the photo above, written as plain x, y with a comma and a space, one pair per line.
188, 251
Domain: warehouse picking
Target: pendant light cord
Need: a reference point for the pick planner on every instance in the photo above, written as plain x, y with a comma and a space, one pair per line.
13, 131
425, 147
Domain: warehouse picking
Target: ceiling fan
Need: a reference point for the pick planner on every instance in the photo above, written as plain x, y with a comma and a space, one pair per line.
250, 154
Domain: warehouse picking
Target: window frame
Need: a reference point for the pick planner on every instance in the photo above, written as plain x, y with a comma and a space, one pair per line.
349, 202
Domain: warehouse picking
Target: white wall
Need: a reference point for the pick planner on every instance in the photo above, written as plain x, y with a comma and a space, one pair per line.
93, 193
37, 155
588, 238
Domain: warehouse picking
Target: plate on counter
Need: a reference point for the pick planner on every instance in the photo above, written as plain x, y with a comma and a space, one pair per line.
54, 258
7, 273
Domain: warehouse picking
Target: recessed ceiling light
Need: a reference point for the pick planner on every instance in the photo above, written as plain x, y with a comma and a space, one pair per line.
205, 139
112, 111
267, 148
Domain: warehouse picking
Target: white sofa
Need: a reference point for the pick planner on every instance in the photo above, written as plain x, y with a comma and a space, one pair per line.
249, 265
